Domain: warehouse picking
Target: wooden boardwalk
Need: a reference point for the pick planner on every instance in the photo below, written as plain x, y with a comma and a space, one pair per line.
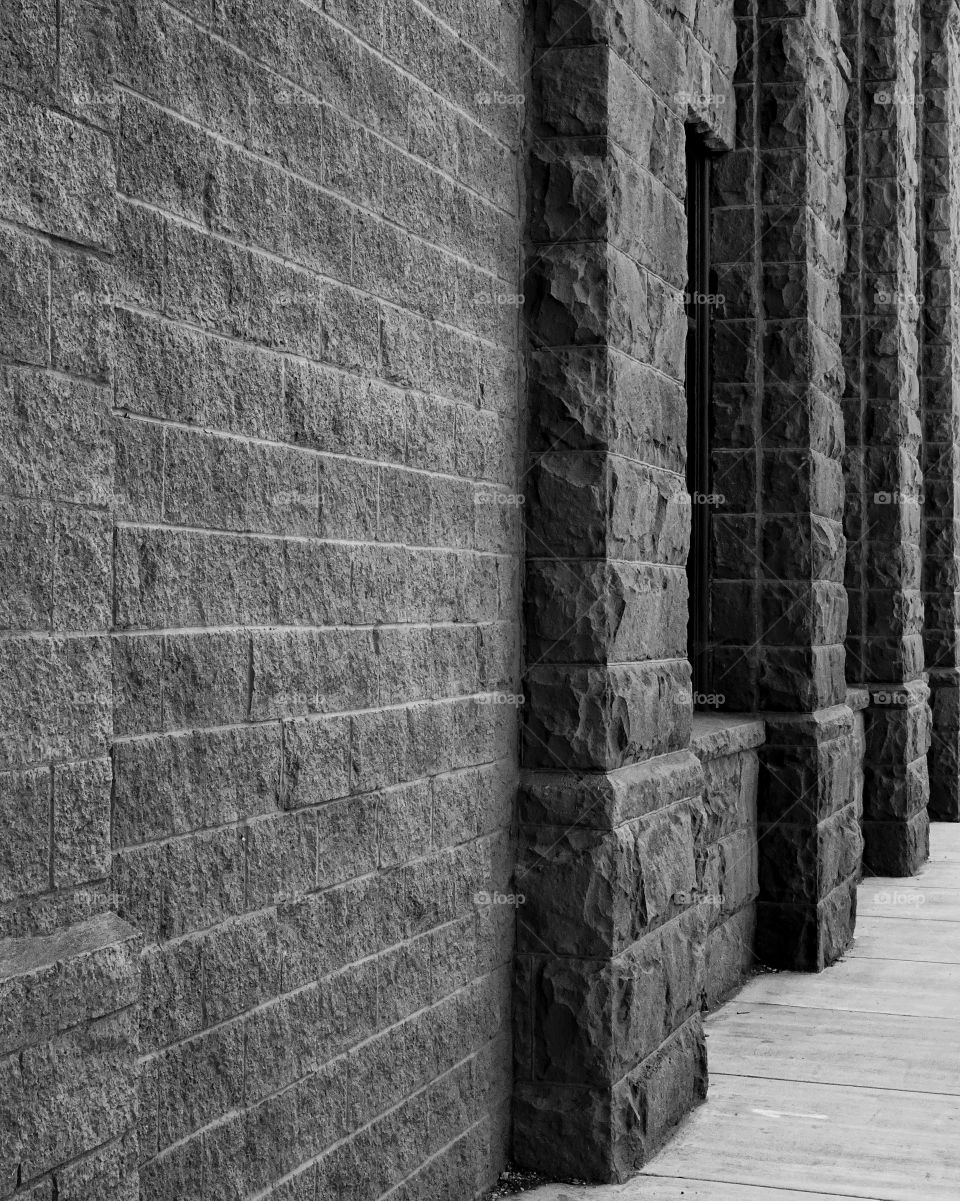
843, 1084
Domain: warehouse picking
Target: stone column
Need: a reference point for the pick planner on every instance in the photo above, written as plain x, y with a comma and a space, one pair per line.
881, 311
940, 393
610, 1051
778, 544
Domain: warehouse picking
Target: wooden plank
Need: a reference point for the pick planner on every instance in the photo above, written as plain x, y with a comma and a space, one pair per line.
853, 1142
828, 1047
865, 986
940, 874
901, 938
944, 841
665, 1188
919, 900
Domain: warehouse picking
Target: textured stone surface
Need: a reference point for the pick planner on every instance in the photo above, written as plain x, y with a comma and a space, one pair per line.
266, 354
939, 247
68, 1057
610, 940
260, 529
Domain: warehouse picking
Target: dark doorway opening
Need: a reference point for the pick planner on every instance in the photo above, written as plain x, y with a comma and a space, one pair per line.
698, 307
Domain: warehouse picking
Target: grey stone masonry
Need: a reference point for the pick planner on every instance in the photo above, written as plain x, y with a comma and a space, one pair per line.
940, 393
69, 1043
727, 748
609, 1045
778, 546
882, 307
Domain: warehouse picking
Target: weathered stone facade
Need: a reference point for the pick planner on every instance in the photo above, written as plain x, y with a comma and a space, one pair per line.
360, 828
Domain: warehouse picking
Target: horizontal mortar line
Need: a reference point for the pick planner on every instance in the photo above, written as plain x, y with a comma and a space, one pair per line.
604, 453
890, 1013
773, 1188
435, 19
649, 932
423, 623
325, 17
601, 663
259, 156
42, 501
199, 631
310, 452
354, 206
535, 247
585, 349
841, 1084
241, 1110
601, 560
396, 1190
558, 143
218, 136
241, 824
63, 1165
161, 527
72, 377
370, 793
273, 1001
180, 323
58, 241
269, 1003
320, 276
53, 105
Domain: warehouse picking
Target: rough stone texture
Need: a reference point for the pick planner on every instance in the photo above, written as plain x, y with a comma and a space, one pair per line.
882, 305
261, 526
69, 1041
608, 1044
259, 401
940, 261
779, 608
727, 872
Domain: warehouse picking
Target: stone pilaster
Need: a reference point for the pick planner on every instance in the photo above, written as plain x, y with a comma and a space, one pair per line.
778, 546
610, 1051
881, 409
940, 393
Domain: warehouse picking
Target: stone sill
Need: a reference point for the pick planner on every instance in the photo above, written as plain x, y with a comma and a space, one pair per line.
716, 735
858, 698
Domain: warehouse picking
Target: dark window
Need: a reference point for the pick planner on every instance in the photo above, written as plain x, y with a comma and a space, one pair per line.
698, 403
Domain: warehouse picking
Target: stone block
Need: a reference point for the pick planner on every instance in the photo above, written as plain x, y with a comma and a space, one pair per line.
593, 718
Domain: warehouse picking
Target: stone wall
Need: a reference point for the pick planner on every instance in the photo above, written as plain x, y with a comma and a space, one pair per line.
882, 306
609, 1043
940, 393
271, 409
259, 310
727, 867
68, 1063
